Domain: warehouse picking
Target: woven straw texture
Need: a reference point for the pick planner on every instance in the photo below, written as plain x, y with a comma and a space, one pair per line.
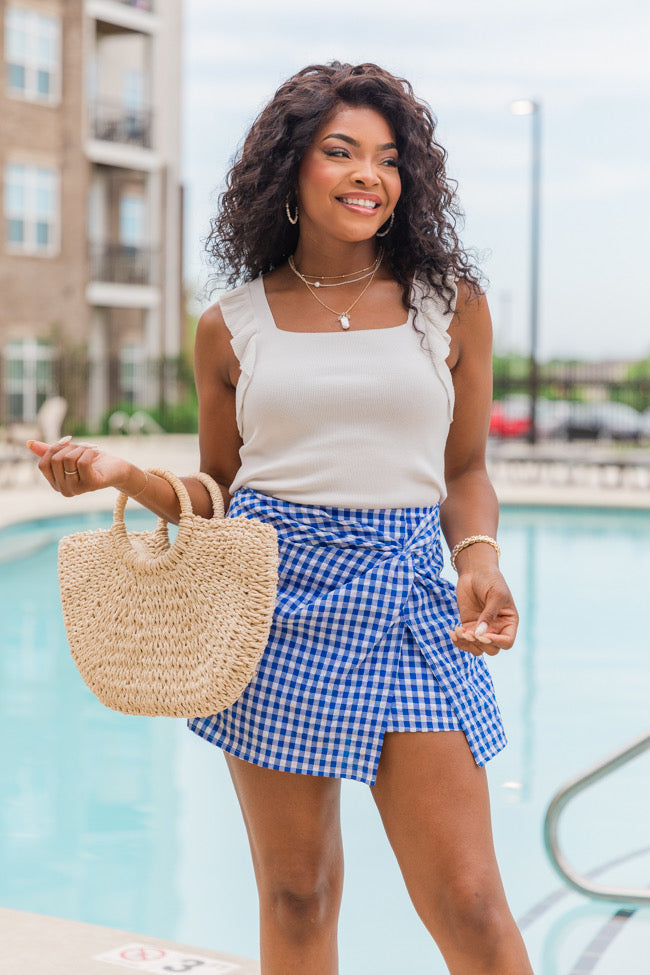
175, 630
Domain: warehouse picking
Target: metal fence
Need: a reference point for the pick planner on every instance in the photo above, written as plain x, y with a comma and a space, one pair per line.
572, 401
162, 389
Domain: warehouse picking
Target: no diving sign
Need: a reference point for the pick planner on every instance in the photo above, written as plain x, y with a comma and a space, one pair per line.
163, 961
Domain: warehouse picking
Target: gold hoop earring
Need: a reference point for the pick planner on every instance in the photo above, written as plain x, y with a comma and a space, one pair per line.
292, 220
388, 229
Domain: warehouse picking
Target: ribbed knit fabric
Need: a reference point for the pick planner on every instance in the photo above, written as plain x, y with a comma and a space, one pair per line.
354, 419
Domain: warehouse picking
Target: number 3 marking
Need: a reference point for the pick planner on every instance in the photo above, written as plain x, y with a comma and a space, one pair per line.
187, 965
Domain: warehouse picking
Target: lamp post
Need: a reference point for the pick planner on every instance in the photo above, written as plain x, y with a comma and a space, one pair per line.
525, 106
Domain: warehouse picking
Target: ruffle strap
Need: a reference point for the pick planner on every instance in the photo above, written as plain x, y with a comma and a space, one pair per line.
239, 315
435, 318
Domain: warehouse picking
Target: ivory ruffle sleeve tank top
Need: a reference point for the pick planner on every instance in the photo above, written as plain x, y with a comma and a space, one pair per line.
355, 419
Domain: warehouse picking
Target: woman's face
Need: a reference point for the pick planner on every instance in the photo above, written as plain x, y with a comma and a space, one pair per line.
349, 182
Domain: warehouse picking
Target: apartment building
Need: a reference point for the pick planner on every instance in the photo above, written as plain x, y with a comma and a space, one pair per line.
90, 254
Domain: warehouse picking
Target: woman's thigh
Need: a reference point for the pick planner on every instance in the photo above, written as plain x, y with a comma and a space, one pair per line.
293, 824
434, 803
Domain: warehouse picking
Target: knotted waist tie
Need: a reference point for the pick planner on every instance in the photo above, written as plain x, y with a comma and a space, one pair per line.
347, 578
376, 567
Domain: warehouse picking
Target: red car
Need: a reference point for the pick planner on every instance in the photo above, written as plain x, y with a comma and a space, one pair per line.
509, 419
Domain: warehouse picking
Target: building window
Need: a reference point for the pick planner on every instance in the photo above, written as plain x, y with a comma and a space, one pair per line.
28, 378
132, 375
31, 207
132, 221
33, 55
133, 93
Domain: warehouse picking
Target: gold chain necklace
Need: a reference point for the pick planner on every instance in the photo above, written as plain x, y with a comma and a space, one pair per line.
343, 317
349, 274
339, 284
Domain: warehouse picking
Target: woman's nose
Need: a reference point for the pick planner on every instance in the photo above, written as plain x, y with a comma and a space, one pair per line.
366, 174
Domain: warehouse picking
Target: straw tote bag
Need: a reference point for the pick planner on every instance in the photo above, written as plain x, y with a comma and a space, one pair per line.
170, 629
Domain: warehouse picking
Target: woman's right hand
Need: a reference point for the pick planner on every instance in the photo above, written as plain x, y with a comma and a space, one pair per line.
77, 468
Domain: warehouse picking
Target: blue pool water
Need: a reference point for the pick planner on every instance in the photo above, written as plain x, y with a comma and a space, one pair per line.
132, 822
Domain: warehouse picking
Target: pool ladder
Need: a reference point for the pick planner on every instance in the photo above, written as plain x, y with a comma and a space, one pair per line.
564, 795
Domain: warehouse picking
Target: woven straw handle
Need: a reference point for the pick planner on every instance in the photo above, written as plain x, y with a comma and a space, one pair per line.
186, 522
208, 483
176, 483
214, 491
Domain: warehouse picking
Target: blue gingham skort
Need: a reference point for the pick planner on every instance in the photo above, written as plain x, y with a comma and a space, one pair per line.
359, 645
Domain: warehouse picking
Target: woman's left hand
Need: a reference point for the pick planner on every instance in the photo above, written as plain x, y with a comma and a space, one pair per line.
487, 611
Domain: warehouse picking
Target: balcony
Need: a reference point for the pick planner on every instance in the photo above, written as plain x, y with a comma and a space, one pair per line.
131, 15
139, 4
117, 124
120, 264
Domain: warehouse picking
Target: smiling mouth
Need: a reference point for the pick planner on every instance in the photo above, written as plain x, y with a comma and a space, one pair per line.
358, 202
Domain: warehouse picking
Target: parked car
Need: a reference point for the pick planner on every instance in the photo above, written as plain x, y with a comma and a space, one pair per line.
551, 415
645, 424
603, 421
511, 417
564, 420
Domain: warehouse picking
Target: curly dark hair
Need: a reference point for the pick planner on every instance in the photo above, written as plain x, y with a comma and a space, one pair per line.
250, 234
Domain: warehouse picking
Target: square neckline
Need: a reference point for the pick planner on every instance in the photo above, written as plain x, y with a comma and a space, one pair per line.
258, 283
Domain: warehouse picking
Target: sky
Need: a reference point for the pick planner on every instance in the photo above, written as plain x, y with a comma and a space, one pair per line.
586, 62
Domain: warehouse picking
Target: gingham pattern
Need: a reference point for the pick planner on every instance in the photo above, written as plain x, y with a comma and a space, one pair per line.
359, 645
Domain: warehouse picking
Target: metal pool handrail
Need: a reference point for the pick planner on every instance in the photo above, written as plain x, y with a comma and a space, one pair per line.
625, 895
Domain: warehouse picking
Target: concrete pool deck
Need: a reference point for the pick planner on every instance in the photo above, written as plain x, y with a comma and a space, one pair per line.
568, 478
26, 494
34, 944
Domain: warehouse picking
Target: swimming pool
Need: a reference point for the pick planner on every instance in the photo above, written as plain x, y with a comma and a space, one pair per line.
132, 822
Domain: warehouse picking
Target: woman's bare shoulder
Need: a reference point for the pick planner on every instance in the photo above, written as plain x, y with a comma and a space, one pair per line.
212, 319
212, 332
212, 345
471, 300
471, 326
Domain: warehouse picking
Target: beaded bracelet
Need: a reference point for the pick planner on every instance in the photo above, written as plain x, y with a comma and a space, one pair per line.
466, 542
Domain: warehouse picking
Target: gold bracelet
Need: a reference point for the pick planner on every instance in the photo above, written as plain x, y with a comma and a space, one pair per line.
144, 486
471, 540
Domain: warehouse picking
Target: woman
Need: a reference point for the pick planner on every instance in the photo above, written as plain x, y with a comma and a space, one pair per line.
327, 383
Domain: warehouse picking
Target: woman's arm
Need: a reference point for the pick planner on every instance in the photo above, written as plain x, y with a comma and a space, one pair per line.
216, 371
471, 507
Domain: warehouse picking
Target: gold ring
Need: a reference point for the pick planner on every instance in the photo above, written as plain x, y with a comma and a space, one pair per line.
70, 473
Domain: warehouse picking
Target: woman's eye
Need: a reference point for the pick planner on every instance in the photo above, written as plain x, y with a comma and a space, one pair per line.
345, 154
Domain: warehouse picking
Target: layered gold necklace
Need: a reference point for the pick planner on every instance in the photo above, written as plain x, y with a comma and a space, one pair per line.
343, 317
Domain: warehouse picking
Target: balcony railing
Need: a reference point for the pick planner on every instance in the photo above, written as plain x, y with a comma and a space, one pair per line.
115, 123
119, 264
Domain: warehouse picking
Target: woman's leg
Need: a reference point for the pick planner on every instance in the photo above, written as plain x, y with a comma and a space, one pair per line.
434, 804
294, 830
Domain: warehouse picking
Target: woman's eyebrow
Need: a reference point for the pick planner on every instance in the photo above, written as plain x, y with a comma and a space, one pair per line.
353, 142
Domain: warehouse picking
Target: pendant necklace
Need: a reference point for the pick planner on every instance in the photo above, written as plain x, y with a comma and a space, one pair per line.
343, 317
